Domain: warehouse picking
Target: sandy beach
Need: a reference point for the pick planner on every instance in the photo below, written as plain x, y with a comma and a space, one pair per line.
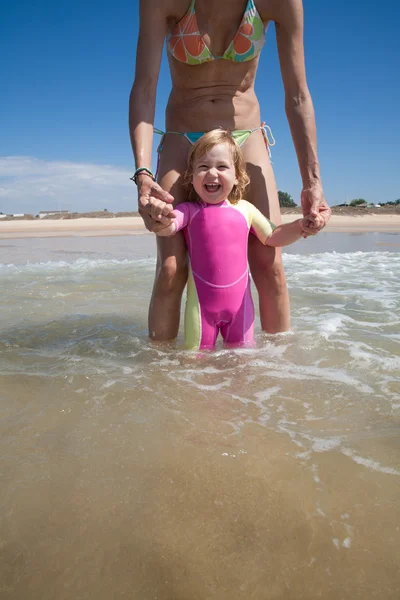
388, 223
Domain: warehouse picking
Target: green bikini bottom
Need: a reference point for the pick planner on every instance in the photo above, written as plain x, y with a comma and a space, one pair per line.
239, 135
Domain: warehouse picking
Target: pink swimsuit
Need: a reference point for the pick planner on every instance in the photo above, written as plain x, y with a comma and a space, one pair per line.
219, 296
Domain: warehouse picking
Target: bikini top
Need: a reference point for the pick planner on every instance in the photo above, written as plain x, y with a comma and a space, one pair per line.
186, 44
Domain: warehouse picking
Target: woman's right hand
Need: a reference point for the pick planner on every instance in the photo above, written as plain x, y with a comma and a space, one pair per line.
155, 204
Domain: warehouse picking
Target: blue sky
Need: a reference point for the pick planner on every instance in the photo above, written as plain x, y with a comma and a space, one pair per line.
66, 73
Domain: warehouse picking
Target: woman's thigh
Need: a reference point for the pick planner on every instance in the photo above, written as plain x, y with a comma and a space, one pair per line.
172, 164
262, 191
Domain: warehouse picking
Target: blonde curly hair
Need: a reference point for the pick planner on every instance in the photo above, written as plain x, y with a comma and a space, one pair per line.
204, 145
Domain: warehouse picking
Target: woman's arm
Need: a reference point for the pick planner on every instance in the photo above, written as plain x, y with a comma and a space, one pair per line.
299, 107
152, 198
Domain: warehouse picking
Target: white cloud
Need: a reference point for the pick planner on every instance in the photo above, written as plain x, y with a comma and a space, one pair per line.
29, 185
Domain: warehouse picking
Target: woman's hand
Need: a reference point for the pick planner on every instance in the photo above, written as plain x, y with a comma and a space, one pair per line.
155, 204
315, 209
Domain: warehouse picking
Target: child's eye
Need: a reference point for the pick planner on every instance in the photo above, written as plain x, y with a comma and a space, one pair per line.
223, 167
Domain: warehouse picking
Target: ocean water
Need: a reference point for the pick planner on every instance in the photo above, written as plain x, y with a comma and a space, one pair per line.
136, 470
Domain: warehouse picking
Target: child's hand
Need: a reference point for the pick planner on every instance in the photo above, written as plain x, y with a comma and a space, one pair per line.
308, 222
167, 231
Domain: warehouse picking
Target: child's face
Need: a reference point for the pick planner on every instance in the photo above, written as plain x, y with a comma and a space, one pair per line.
214, 174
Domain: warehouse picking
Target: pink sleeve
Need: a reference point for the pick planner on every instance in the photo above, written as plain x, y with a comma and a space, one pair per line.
183, 213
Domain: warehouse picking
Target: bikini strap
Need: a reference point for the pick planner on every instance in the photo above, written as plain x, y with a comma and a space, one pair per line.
268, 136
160, 145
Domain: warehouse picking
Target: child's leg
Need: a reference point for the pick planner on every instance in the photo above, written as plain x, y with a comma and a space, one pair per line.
240, 331
200, 332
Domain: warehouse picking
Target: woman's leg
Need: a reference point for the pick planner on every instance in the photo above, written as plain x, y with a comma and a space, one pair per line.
171, 270
266, 262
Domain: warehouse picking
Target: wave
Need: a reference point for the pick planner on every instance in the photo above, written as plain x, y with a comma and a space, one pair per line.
322, 265
81, 264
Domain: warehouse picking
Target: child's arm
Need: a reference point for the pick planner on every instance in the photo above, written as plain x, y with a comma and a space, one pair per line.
315, 222
168, 231
182, 215
286, 234
268, 233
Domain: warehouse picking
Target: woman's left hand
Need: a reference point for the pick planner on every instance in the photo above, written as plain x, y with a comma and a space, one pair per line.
315, 209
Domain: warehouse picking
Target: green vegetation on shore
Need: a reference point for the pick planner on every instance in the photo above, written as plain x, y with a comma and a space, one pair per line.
286, 201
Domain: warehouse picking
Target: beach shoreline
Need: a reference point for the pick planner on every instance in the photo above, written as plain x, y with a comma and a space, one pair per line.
123, 226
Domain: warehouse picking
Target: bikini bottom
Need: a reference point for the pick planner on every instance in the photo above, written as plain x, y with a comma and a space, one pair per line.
239, 135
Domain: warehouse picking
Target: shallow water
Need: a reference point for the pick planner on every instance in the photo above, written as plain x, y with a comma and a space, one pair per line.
131, 470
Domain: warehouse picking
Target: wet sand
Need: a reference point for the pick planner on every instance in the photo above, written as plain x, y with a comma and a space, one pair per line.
134, 226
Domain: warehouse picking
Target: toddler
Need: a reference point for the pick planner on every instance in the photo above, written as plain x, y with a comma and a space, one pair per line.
216, 223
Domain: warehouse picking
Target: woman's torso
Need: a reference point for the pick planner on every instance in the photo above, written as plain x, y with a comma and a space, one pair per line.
218, 93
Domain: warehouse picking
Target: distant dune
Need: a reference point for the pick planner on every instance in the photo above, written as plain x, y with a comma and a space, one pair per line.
350, 211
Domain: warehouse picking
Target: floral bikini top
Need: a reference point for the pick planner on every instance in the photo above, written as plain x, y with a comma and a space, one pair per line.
186, 44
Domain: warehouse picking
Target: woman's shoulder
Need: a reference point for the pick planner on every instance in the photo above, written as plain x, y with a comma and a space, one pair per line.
278, 11
171, 10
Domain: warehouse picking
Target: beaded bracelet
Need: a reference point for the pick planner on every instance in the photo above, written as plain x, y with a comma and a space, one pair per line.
142, 170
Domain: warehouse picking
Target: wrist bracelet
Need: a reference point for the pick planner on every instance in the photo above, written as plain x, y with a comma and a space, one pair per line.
140, 170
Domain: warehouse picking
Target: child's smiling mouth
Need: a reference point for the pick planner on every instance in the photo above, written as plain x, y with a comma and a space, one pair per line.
212, 187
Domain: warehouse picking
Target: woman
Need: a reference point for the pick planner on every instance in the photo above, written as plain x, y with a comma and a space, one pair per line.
213, 49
